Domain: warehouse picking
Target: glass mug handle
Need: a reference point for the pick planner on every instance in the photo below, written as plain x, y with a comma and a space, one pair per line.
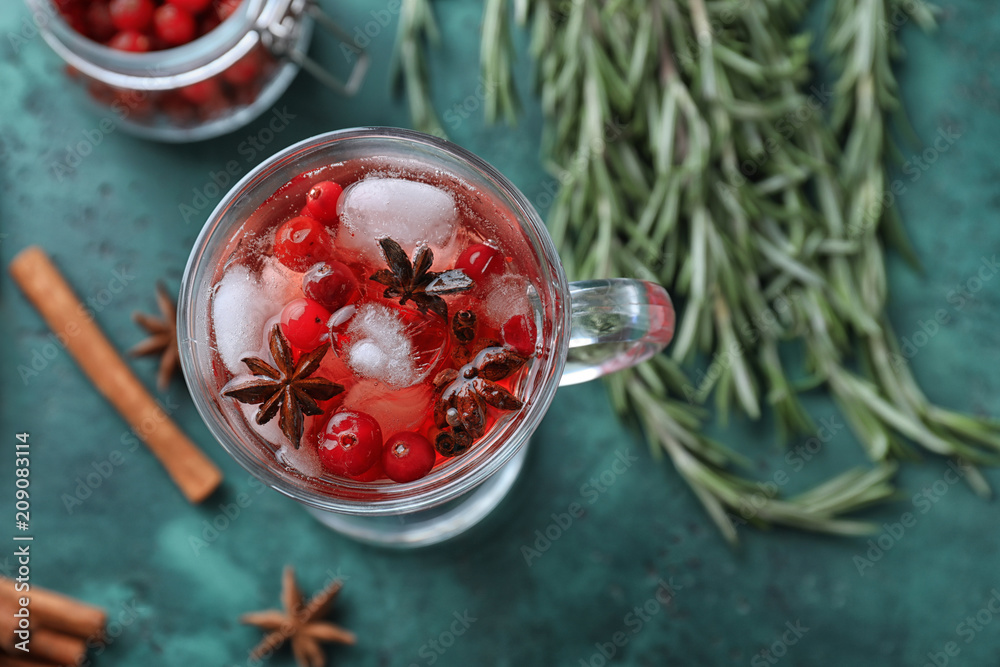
615, 324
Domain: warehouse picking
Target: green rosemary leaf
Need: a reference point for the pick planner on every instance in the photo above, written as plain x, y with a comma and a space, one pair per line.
496, 54
409, 67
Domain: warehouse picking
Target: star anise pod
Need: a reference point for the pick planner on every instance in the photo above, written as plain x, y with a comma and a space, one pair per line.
414, 281
463, 326
299, 623
162, 337
460, 408
287, 389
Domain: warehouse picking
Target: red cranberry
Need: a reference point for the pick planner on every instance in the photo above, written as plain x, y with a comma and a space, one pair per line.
330, 283
302, 242
321, 202
372, 474
519, 332
132, 14
408, 456
130, 40
201, 92
173, 25
303, 321
99, 24
226, 8
245, 70
479, 261
351, 443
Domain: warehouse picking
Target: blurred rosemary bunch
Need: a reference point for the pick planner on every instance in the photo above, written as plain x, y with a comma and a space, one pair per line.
693, 149
417, 29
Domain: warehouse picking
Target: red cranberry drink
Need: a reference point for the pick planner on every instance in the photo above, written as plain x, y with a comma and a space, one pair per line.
374, 320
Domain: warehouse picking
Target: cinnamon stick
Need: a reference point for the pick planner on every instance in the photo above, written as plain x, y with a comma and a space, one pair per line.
42, 283
57, 612
13, 661
49, 646
44, 644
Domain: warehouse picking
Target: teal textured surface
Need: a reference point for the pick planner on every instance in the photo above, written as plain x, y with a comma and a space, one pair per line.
122, 536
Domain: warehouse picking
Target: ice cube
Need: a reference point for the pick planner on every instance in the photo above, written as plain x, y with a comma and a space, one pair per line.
304, 459
271, 431
394, 344
238, 314
395, 411
409, 212
243, 310
506, 296
367, 358
379, 347
279, 283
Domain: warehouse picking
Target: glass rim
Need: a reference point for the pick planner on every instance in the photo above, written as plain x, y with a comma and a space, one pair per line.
461, 474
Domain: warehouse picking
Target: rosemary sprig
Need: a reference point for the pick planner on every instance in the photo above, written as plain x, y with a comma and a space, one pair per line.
731, 244
867, 95
497, 49
417, 28
692, 151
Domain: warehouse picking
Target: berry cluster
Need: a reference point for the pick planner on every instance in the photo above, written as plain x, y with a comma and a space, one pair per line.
139, 26
349, 437
351, 443
188, 105
145, 25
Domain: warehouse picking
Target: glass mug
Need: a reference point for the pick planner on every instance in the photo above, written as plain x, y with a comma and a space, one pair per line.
587, 329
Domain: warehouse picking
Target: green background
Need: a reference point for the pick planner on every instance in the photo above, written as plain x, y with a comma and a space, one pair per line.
129, 543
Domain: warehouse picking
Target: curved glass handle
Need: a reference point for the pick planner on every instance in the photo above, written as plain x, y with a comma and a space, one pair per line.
615, 324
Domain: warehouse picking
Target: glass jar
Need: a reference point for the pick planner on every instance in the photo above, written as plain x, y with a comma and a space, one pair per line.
211, 86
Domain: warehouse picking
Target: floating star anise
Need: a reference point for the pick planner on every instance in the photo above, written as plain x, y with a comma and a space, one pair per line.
414, 281
298, 623
287, 388
463, 394
162, 337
